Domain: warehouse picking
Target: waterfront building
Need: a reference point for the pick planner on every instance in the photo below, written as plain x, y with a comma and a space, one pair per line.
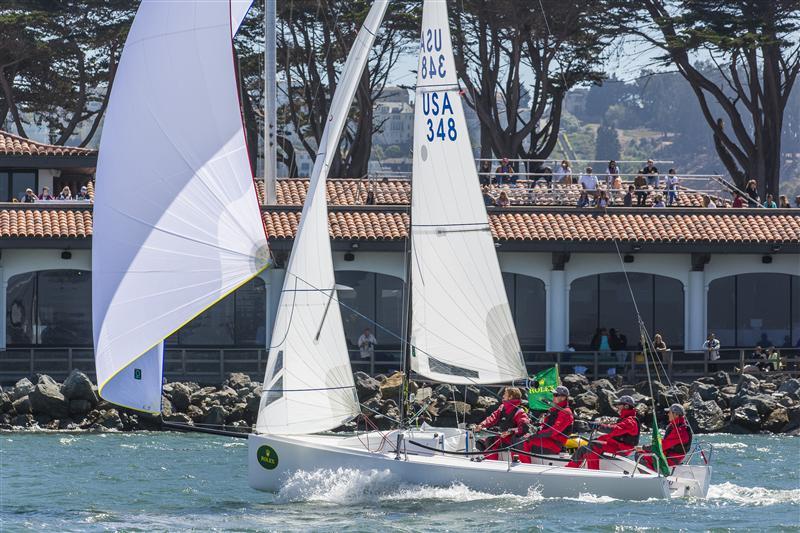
735, 272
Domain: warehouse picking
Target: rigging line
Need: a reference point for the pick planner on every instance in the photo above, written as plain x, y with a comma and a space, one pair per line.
549, 35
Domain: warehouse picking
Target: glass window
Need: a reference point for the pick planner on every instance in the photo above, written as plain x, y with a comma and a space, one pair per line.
357, 302
20, 310
762, 309
583, 317
527, 299
604, 301
215, 326
251, 313
64, 304
21, 181
5, 195
795, 335
722, 310
389, 307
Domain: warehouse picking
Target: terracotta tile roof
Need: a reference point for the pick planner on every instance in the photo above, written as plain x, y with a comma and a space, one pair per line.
45, 222
396, 192
11, 144
575, 226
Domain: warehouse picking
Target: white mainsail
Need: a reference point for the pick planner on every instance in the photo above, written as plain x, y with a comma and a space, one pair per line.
177, 225
308, 386
461, 328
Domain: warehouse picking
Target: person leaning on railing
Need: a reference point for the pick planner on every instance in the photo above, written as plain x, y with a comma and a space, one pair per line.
711, 347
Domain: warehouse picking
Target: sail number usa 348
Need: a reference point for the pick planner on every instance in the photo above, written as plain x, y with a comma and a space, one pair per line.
441, 123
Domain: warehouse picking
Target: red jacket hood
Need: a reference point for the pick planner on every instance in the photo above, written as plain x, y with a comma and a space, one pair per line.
514, 402
625, 413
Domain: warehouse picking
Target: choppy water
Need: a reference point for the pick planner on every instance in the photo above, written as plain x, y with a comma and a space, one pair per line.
161, 481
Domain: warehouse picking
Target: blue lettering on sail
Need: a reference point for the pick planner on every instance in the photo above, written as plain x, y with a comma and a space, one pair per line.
432, 40
433, 65
437, 105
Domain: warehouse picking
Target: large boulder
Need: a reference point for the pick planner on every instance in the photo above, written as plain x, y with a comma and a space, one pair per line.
22, 388
643, 387
46, 399
791, 387
180, 395
576, 383
78, 386
707, 392
777, 420
605, 401
746, 417
22, 406
487, 403
668, 396
748, 385
226, 397
6, 403
602, 384
200, 396
705, 416
722, 379
588, 400
110, 419
391, 387
366, 386
468, 393
764, 404
238, 380
453, 413
215, 416
78, 408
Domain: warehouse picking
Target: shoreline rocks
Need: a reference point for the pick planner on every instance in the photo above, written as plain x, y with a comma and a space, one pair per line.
716, 404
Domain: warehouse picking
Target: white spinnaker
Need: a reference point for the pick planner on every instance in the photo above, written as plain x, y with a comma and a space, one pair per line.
461, 330
308, 386
177, 224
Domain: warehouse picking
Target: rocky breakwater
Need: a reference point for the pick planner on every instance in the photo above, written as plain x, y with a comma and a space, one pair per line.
716, 404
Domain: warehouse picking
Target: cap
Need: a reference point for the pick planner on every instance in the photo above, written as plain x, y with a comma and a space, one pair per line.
561, 390
676, 409
627, 400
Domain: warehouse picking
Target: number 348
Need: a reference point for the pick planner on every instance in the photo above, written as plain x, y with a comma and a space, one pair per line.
441, 130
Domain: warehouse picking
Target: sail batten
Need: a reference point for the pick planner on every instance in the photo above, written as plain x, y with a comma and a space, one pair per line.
461, 325
308, 385
190, 231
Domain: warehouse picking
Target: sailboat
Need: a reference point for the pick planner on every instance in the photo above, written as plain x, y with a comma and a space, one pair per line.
461, 329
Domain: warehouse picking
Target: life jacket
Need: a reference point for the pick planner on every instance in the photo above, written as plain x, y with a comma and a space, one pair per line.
549, 422
685, 442
507, 416
628, 439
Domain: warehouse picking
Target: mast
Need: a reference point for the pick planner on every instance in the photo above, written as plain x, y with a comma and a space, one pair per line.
406, 364
270, 103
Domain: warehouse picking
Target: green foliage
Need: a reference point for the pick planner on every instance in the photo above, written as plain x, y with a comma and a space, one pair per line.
607, 144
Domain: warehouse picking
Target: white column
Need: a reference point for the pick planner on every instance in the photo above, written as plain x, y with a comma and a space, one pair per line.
557, 318
3, 307
695, 320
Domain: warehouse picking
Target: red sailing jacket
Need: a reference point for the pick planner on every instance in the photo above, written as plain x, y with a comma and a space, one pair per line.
507, 416
557, 423
677, 441
624, 434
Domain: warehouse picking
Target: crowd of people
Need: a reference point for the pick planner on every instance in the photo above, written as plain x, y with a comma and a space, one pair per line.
46, 196
608, 189
512, 428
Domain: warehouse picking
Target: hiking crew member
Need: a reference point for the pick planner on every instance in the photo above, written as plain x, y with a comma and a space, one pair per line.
510, 420
623, 437
677, 439
555, 427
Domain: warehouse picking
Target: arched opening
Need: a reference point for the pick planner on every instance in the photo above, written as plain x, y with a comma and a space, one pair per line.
755, 309
375, 302
49, 307
604, 301
527, 299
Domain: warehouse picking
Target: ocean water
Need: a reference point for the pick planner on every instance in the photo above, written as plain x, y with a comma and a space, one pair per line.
170, 481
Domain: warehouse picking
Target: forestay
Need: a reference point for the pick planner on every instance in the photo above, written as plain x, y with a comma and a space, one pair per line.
462, 330
177, 220
308, 386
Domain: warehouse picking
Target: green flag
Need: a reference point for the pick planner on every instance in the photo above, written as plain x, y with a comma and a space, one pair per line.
659, 459
541, 387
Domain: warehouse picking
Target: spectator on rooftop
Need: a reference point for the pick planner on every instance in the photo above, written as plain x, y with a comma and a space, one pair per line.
650, 171
671, 184
627, 200
783, 202
641, 190
503, 200
616, 185
564, 173
29, 196
485, 173
46, 194
589, 183
738, 201
708, 202
769, 203
583, 199
84, 195
602, 200
548, 174
751, 191
65, 194
612, 173
488, 199
658, 201
370, 200
505, 172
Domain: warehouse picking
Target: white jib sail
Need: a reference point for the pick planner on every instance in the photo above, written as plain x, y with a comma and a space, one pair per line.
177, 225
461, 330
308, 386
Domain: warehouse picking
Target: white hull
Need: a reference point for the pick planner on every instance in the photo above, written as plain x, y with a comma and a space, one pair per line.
331, 452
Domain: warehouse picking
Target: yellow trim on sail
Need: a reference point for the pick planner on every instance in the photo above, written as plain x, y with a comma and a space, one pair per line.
212, 304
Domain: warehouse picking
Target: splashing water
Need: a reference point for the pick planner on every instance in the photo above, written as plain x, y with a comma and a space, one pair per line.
757, 496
